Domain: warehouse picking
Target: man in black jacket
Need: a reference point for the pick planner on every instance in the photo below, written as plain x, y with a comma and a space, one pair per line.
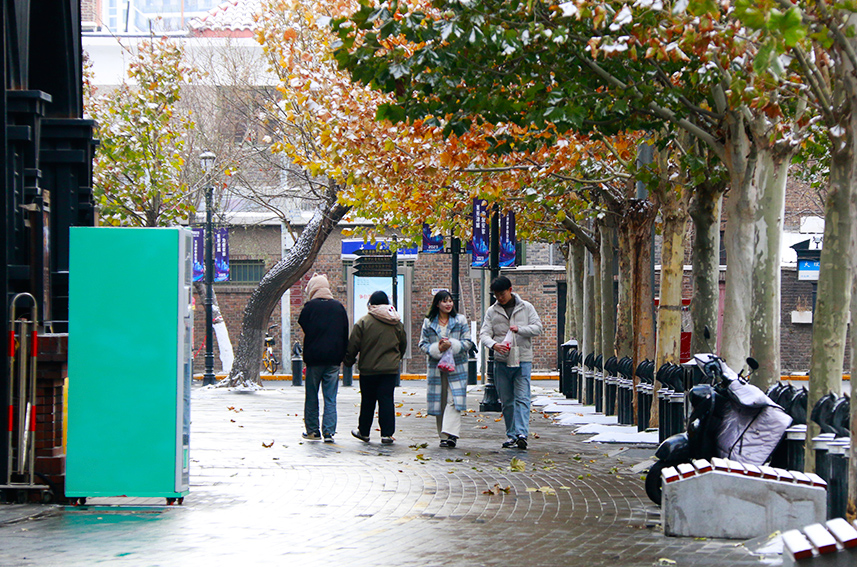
325, 325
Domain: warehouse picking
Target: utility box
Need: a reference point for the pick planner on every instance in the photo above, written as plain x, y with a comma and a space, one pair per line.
130, 364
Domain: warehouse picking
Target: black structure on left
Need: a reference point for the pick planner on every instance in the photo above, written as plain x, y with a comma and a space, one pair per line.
47, 178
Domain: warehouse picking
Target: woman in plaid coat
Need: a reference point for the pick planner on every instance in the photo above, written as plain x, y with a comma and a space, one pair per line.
444, 329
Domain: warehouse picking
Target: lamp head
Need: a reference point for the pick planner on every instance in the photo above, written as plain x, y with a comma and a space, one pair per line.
207, 160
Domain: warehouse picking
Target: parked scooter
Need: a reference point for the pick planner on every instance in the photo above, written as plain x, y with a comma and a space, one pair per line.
730, 418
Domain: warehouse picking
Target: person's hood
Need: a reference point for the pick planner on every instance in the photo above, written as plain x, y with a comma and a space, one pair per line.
318, 288
385, 314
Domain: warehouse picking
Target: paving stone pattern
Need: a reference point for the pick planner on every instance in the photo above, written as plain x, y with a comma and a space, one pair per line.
300, 502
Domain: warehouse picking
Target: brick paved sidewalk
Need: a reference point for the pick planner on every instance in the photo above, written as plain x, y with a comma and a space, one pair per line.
263, 496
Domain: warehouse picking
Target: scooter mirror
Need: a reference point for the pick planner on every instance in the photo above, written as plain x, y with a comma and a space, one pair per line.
752, 363
706, 333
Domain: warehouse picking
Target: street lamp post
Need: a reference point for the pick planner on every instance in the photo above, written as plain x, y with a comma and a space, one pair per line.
207, 159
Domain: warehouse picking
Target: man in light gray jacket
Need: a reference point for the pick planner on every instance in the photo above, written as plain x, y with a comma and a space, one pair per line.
512, 377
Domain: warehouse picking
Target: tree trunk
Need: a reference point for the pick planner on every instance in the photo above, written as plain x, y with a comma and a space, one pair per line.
608, 299
273, 285
636, 234
740, 213
672, 272
829, 318
587, 345
577, 254
851, 505
597, 304
771, 172
570, 326
704, 209
624, 317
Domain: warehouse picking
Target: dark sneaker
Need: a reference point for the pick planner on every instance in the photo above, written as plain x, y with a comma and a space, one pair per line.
356, 433
387, 440
449, 442
509, 443
328, 438
521, 442
311, 436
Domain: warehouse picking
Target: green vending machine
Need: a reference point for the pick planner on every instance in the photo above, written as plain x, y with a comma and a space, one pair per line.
130, 364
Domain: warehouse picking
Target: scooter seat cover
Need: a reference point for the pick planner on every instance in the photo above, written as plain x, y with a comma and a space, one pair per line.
749, 435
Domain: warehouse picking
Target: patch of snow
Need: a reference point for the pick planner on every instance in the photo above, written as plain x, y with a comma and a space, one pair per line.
569, 9
586, 419
619, 434
623, 17
680, 6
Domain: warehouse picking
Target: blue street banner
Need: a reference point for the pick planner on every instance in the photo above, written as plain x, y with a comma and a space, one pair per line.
432, 243
508, 241
481, 235
220, 238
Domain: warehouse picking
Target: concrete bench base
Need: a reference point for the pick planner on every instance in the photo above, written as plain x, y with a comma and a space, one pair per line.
725, 504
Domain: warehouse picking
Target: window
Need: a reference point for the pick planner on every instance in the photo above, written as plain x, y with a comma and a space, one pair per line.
246, 271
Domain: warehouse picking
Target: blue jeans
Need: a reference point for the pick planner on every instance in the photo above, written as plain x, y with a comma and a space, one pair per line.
327, 377
513, 387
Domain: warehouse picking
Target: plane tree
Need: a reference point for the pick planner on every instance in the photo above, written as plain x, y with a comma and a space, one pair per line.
579, 64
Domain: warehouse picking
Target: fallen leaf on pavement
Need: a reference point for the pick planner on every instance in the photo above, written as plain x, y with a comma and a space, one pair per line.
267, 445
517, 465
497, 489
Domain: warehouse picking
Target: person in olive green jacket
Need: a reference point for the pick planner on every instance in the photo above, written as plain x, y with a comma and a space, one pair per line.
380, 340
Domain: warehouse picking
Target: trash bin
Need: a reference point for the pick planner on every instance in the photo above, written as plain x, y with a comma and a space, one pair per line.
566, 381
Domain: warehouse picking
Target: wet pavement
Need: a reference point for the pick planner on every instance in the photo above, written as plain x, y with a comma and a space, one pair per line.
263, 496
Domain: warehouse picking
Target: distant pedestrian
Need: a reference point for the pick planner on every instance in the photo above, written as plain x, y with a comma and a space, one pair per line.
446, 331
380, 340
508, 326
325, 325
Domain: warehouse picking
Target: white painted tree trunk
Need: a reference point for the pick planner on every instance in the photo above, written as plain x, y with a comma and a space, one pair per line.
771, 174
577, 254
738, 238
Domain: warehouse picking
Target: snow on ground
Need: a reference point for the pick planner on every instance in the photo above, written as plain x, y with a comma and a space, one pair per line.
584, 419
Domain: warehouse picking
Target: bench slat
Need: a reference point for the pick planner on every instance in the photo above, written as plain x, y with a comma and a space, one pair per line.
843, 532
820, 538
797, 544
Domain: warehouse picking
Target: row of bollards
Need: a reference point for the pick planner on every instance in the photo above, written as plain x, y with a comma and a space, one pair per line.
832, 447
674, 380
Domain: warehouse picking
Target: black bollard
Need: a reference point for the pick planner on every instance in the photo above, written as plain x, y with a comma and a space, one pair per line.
297, 365
644, 406
472, 369
297, 371
347, 375
820, 445
676, 409
837, 483
795, 444
611, 384
663, 425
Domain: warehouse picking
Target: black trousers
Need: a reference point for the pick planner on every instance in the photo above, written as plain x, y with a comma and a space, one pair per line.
377, 389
